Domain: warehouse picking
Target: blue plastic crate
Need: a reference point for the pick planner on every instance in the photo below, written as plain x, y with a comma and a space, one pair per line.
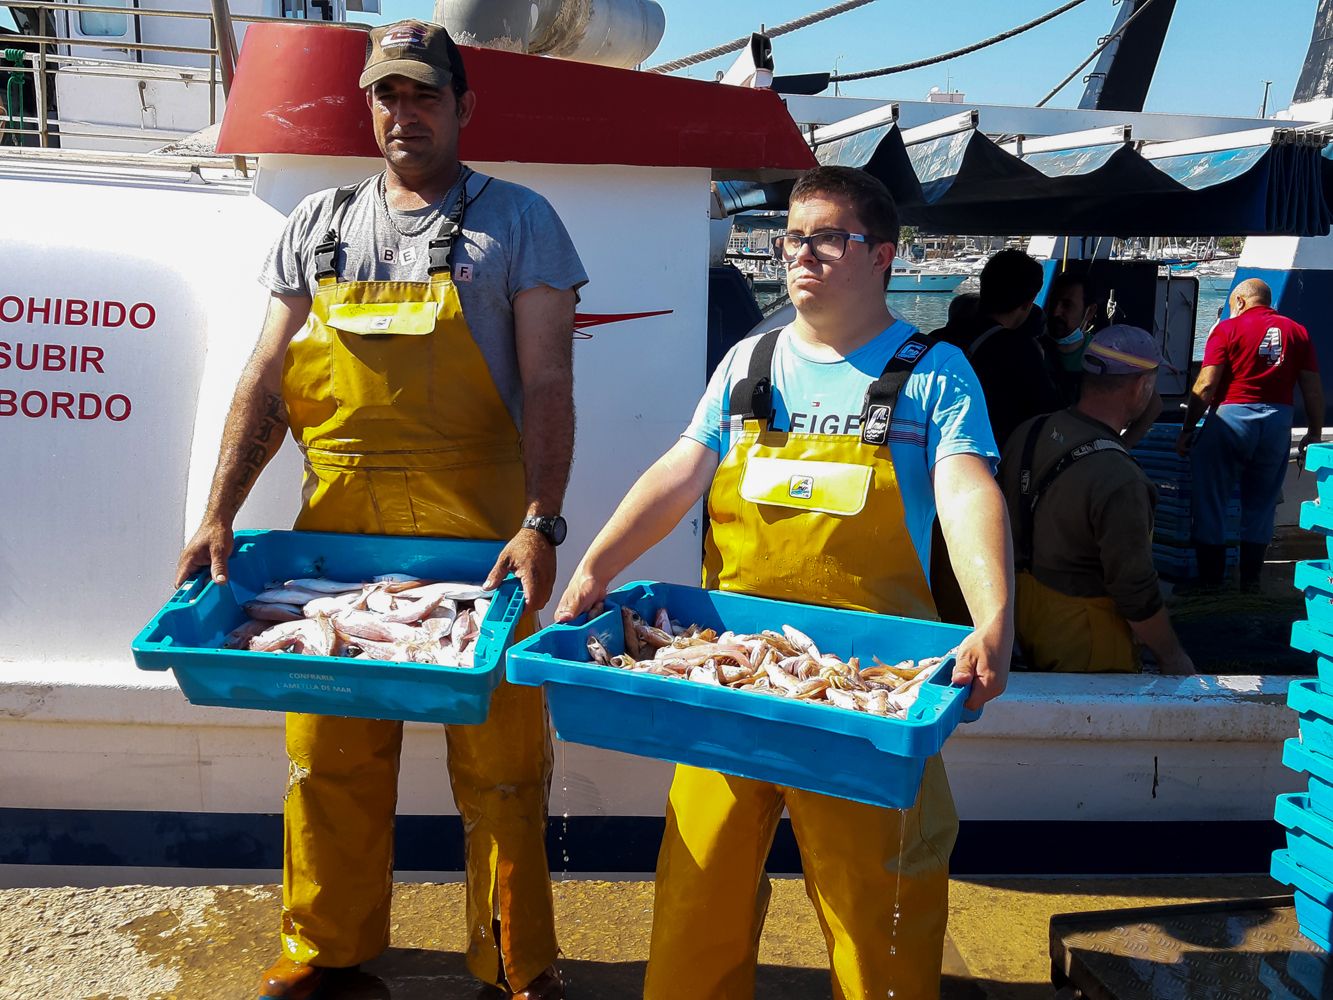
816, 747
186, 635
1319, 460
1316, 712
1303, 760
1314, 578
1313, 897
1309, 638
1318, 517
1309, 835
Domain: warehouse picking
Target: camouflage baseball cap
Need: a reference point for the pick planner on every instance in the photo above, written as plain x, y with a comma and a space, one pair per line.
414, 49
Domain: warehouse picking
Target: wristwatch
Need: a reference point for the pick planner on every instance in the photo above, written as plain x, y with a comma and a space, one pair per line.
553, 529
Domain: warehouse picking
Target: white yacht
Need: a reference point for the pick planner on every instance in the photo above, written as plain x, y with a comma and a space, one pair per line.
908, 276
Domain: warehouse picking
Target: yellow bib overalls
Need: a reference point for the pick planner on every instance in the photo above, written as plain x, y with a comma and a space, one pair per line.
1056, 631
404, 433
817, 519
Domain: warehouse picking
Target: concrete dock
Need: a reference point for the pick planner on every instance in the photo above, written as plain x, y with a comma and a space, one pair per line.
211, 942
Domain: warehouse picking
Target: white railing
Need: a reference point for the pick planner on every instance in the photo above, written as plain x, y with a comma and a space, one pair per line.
46, 55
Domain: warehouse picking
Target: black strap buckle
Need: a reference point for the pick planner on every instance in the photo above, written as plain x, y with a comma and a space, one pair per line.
442, 246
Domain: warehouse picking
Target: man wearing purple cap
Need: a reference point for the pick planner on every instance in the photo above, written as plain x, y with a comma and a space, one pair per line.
1082, 511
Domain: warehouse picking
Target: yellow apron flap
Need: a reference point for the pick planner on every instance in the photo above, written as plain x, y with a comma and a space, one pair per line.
827, 487
414, 319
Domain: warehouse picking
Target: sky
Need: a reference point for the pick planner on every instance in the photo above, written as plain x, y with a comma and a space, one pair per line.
1216, 57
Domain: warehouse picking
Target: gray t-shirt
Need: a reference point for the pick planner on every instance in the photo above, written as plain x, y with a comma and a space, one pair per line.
512, 241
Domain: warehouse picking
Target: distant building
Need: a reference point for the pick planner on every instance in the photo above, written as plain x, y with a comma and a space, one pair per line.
938, 96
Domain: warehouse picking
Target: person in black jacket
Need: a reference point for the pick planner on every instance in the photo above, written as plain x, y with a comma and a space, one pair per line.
1003, 348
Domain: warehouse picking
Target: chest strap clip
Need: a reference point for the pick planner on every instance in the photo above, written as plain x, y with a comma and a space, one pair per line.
326, 250
442, 246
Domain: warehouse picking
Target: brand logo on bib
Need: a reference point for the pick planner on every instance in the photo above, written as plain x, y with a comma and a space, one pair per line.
801, 487
910, 351
876, 429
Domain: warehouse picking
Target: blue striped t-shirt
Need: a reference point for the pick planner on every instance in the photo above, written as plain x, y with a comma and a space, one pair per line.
941, 411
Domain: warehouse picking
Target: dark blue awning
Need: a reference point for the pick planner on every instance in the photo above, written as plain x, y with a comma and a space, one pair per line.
1265, 182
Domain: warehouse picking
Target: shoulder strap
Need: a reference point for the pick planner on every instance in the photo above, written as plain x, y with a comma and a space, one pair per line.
326, 250
975, 346
1031, 494
442, 246
752, 396
882, 396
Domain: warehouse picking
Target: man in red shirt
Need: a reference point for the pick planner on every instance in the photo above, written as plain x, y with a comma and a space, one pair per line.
1251, 367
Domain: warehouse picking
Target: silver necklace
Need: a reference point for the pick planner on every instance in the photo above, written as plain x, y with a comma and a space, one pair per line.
434, 213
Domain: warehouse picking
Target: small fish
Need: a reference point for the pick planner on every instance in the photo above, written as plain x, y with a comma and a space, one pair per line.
801, 641
598, 651
445, 590
465, 630
239, 637
283, 636
272, 612
368, 625
322, 586
398, 581
286, 595
334, 604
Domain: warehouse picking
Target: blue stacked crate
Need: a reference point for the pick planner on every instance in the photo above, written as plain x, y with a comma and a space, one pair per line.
1307, 862
867, 758
187, 636
1173, 551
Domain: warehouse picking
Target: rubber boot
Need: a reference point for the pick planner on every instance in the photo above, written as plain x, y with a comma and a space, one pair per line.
1212, 564
1252, 564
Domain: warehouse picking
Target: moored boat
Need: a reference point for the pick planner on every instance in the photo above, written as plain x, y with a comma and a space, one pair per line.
149, 261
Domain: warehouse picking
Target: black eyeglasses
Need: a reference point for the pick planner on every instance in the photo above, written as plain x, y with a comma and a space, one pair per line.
825, 246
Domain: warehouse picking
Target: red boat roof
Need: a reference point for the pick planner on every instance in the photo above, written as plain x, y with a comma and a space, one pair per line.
295, 92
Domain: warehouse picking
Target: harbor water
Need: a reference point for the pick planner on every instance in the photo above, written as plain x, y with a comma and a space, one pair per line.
928, 311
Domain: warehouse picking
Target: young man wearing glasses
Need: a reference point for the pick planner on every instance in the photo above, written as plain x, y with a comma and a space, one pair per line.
825, 449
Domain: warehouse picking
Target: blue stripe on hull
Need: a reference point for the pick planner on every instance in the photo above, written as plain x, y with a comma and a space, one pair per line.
70, 837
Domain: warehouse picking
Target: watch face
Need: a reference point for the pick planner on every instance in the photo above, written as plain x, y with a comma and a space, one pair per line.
558, 530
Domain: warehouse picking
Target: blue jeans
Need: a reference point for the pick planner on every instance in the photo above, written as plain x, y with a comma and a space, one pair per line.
1249, 443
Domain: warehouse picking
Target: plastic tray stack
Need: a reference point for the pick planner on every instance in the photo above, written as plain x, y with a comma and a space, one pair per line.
1173, 552
1307, 862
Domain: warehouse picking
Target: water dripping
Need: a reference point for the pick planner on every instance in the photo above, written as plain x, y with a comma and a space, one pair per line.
563, 837
898, 884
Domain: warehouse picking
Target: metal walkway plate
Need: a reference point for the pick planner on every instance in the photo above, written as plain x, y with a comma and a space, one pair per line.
1249, 949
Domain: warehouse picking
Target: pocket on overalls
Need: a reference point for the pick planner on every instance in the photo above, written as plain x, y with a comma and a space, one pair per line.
382, 354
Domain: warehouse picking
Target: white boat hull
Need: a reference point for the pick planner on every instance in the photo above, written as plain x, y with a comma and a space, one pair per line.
924, 282
110, 776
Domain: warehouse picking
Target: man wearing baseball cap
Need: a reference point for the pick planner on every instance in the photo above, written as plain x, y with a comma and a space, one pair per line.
1082, 512
431, 393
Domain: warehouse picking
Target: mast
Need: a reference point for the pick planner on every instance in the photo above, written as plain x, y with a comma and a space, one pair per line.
1316, 81
1125, 68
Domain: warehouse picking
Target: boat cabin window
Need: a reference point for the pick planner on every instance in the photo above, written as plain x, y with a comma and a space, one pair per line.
99, 24
309, 10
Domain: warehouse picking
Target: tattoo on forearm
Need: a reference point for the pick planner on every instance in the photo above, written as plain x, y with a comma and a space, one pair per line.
274, 418
255, 452
253, 434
